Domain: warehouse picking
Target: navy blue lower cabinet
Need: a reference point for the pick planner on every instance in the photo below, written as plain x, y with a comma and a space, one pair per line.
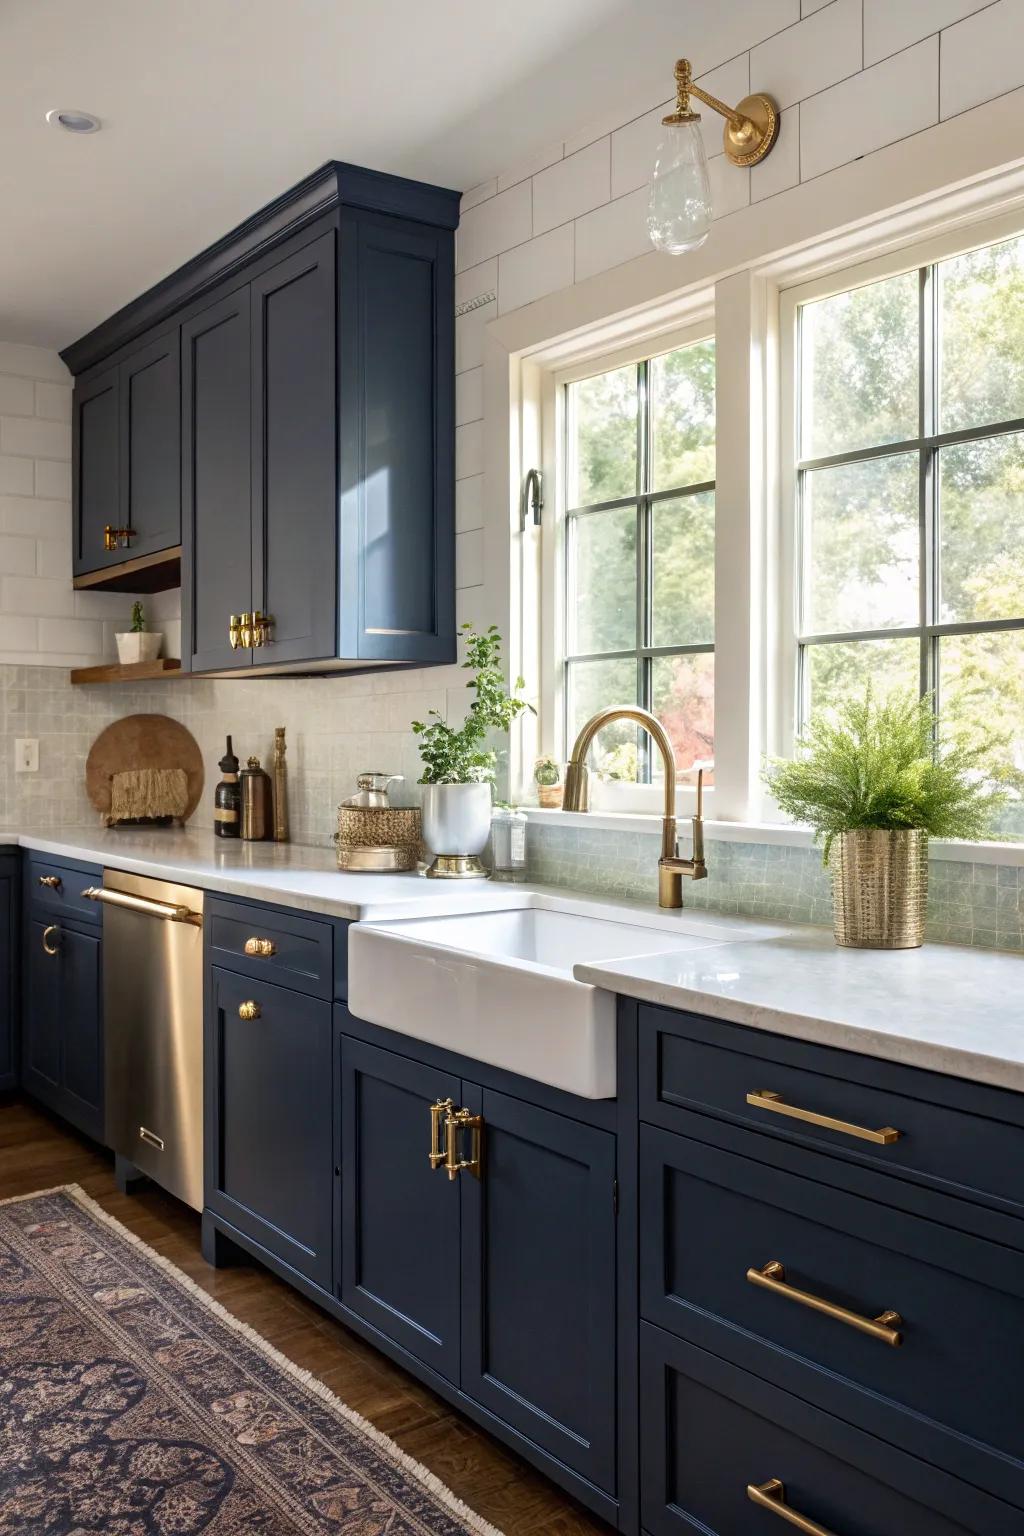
712, 1432
62, 1022
8, 968
538, 1279
269, 1119
400, 1218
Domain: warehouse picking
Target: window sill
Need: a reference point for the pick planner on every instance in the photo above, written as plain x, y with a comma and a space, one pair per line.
778, 833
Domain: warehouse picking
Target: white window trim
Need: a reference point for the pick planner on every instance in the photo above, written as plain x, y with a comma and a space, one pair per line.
939, 185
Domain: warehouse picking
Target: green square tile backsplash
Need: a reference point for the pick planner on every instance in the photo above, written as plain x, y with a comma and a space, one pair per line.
968, 903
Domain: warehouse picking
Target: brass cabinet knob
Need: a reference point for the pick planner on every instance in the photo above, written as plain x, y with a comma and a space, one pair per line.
264, 948
51, 934
249, 1010
53, 882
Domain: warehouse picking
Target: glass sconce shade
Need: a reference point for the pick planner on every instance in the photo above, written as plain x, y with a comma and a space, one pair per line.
679, 211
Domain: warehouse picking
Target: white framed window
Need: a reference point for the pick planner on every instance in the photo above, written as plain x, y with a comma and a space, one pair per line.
628, 562
903, 486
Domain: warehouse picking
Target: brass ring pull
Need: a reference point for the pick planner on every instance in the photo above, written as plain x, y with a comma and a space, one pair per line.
437, 1113
462, 1120
249, 1010
47, 934
764, 1098
53, 882
772, 1495
261, 948
886, 1326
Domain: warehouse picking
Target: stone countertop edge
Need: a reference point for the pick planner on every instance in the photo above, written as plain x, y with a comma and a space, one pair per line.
944, 1008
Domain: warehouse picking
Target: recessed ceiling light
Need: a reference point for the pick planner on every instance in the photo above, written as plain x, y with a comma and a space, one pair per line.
72, 120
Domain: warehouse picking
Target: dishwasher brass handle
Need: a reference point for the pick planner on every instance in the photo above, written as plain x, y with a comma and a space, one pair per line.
249, 1010
772, 1277
264, 948
54, 882
764, 1098
437, 1113
772, 1495
169, 911
47, 932
462, 1120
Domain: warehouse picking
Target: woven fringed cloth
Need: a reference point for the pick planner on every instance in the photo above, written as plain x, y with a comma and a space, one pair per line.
144, 793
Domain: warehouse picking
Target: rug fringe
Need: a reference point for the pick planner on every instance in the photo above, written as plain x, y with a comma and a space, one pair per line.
316, 1388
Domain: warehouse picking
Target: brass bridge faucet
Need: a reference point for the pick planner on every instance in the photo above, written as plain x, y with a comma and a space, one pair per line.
671, 868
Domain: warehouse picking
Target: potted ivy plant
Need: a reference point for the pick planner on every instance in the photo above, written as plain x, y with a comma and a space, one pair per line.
459, 767
138, 643
875, 781
548, 778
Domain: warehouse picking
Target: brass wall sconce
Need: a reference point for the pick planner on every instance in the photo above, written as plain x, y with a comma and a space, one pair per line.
679, 212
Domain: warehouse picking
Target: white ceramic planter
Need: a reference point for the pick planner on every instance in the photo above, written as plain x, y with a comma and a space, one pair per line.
456, 818
138, 646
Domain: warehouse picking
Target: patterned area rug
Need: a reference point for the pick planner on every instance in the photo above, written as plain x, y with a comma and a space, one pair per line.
131, 1404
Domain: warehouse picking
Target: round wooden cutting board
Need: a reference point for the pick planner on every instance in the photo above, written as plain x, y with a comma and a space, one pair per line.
142, 741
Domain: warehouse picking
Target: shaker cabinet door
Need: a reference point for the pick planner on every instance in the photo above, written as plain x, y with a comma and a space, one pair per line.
97, 497
399, 1237
8, 978
62, 1035
538, 1284
216, 443
295, 454
150, 446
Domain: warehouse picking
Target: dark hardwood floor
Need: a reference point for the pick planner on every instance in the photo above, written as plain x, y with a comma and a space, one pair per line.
38, 1152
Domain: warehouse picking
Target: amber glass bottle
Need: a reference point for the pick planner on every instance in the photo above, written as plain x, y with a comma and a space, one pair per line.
227, 798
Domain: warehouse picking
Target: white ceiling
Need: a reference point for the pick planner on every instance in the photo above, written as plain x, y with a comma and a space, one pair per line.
210, 108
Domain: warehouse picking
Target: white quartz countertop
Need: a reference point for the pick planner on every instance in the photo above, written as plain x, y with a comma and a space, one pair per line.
944, 1007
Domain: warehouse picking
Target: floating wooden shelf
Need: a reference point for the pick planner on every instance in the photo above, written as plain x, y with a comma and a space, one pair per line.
133, 672
144, 573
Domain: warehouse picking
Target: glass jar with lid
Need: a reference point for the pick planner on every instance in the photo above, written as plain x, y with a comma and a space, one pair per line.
508, 843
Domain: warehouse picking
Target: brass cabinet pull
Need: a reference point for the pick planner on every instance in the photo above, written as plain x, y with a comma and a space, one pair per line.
764, 1098
235, 631
772, 1495
245, 632
47, 934
263, 948
249, 1010
54, 882
116, 538
886, 1326
437, 1113
462, 1120
262, 623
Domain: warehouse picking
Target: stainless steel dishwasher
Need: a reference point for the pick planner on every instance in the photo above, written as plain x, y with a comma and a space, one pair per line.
153, 1028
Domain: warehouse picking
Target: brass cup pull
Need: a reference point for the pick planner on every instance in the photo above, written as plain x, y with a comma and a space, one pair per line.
249, 1010
764, 1098
53, 882
886, 1326
463, 1120
772, 1495
438, 1111
48, 934
262, 948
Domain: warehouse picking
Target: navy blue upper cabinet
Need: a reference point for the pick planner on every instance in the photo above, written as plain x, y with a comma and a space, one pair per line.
8, 968
317, 429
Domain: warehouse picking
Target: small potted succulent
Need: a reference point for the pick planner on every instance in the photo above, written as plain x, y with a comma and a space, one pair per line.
138, 643
874, 781
548, 778
458, 767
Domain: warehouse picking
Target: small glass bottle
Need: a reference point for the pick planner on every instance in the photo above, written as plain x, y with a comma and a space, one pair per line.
227, 798
508, 843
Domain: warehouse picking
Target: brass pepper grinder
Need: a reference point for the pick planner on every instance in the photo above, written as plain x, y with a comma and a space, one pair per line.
256, 798
280, 787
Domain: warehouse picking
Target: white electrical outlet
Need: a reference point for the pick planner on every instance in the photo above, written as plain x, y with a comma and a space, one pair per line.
26, 755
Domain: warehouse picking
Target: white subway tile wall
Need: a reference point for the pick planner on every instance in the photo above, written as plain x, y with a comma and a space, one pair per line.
853, 76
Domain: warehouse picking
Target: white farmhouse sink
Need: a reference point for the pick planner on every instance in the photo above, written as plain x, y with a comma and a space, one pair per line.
498, 986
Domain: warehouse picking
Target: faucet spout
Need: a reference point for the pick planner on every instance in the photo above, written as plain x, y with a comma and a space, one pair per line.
671, 868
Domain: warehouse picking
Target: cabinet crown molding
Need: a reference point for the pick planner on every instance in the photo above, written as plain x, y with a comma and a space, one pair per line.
335, 185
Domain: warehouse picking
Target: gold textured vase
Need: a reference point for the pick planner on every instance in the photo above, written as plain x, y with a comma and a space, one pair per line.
880, 888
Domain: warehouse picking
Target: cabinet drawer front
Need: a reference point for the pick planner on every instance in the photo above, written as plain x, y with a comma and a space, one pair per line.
710, 1430
269, 1119
272, 946
715, 1224
55, 887
963, 1138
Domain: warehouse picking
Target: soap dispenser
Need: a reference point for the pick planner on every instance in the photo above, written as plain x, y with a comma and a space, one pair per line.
227, 797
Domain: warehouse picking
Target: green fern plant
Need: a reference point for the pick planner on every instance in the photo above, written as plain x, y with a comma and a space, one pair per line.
886, 765
458, 754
